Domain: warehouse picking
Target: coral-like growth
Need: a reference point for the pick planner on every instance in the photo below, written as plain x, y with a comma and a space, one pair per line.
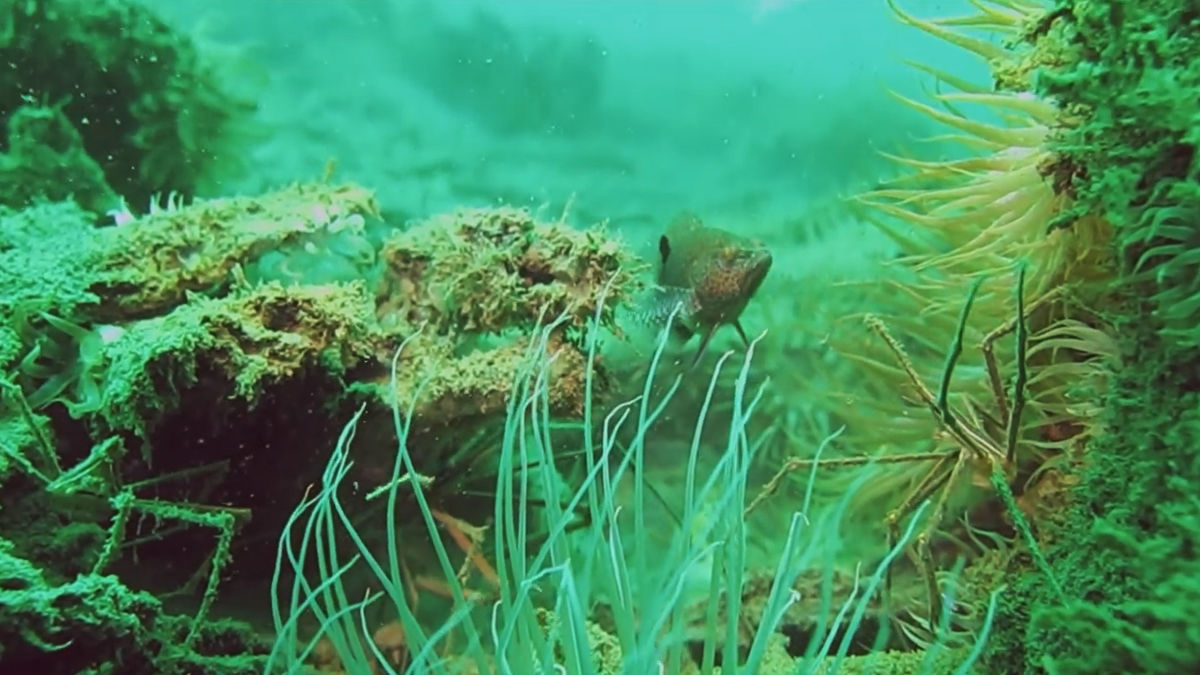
168, 309
489, 270
199, 333
151, 265
44, 252
977, 218
92, 622
1126, 554
475, 282
237, 348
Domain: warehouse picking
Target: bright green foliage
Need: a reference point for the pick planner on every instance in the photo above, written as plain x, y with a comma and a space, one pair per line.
95, 625
44, 251
43, 272
1132, 156
1128, 558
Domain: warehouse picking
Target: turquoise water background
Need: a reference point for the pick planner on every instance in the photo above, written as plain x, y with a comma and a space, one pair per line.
744, 110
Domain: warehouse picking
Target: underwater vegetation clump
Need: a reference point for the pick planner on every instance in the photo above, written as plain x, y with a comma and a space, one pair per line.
1131, 158
979, 218
568, 580
1125, 550
93, 623
92, 330
470, 286
148, 109
164, 366
1126, 553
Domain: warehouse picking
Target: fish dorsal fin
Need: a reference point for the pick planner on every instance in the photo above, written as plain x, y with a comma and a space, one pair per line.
684, 221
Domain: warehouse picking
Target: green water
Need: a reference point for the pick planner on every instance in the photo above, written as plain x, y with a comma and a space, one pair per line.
340, 336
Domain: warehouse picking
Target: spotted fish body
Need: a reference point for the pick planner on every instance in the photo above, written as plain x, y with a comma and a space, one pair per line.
711, 274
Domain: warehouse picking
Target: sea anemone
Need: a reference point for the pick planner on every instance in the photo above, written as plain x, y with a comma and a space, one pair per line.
1004, 203
981, 220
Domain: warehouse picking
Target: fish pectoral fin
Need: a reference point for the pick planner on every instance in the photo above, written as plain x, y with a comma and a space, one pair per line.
741, 331
708, 335
656, 305
667, 298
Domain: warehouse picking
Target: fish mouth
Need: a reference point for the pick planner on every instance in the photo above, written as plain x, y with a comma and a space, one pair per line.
758, 272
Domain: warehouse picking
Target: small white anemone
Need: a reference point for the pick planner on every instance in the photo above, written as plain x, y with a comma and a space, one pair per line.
121, 215
174, 202
109, 334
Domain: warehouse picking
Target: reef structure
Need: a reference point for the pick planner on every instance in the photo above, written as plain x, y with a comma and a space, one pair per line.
164, 367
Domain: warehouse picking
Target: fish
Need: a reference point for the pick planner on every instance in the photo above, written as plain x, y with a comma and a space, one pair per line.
710, 275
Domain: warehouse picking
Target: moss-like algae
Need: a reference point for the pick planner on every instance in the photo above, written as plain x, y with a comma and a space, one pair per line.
95, 625
1130, 153
1125, 552
242, 345
489, 270
476, 282
43, 258
150, 267
198, 334
1126, 556
149, 107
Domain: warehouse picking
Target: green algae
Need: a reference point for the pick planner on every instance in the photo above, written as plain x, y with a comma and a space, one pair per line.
1126, 555
1125, 551
221, 380
151, 110
1128, 150
95, 624
241, 346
